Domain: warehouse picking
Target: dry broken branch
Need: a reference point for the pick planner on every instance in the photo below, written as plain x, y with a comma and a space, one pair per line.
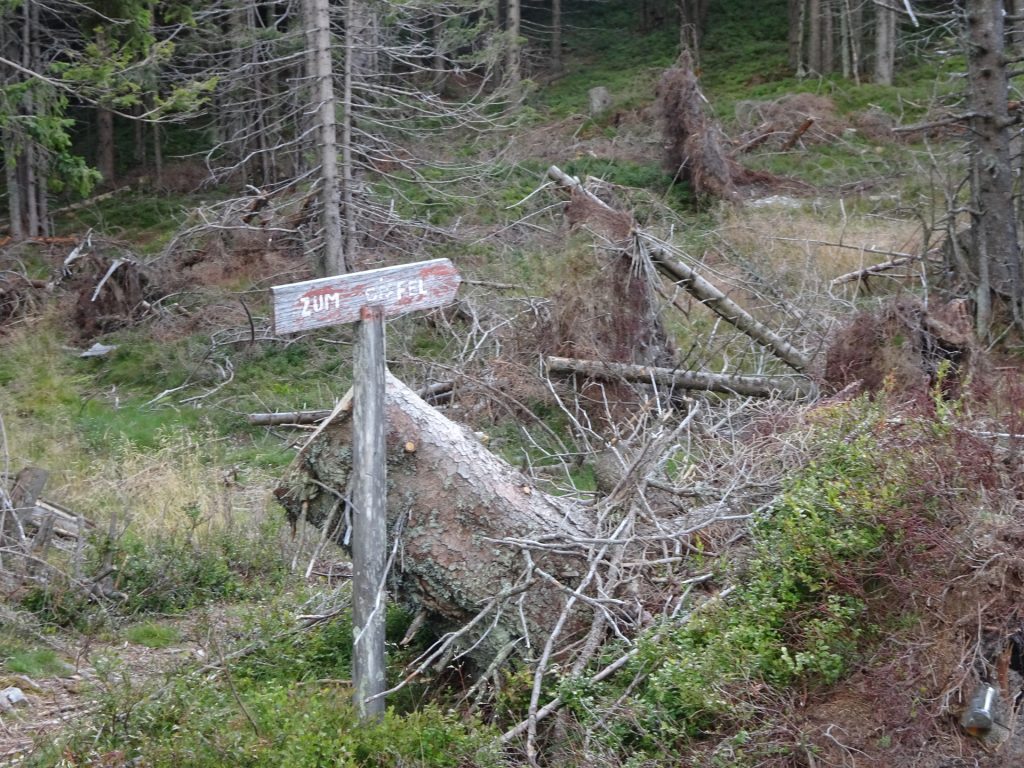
785, 387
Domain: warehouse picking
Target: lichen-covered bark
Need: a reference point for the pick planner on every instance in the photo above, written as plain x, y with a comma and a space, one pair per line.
453, 502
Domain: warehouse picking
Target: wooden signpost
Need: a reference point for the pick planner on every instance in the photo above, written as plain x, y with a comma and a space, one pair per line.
368, 297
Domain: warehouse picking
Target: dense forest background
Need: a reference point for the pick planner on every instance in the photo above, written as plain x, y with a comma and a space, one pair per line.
714, 461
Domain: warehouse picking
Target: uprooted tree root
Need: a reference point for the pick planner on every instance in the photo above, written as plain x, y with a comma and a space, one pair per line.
904, 345
693, 142
112, 293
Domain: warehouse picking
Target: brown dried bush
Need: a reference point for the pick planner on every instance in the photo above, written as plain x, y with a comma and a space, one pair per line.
782, 117
19, 297
693, 141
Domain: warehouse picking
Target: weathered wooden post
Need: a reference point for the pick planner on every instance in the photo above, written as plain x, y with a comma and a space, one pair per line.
368, 297
370, 534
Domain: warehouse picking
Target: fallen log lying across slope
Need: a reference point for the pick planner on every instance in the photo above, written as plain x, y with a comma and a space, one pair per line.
786, 387
454, 509
690, 280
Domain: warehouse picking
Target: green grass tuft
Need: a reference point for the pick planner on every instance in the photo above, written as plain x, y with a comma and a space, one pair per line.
153, 635
37, 663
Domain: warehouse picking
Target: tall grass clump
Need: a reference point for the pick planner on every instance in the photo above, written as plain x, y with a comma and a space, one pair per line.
174, 529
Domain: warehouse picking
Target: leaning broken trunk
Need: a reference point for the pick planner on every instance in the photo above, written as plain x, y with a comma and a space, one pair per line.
462, 523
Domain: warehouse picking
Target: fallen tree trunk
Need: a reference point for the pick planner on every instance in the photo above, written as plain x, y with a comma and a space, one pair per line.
875, 269
713, 298
696, 285
287, 417
432, 393
452, 509
785, 387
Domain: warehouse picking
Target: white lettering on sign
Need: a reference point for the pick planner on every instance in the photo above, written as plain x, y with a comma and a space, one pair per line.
339, 299
382, 292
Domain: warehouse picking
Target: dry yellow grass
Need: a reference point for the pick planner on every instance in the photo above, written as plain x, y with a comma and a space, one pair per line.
808, 248
181, 483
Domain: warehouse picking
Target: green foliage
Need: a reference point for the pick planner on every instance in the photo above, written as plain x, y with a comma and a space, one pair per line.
609, 47
41, 662
799, 611
166, 572
133, 216
297, 725
647, 176
172, 572
152, 635
47, 128
61, 605
288, 703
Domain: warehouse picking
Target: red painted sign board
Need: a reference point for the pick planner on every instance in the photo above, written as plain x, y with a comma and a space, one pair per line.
339, 299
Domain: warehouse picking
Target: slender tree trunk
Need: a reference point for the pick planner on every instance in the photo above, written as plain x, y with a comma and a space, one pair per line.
43, 210
885, 45
994, 233
845, 41
12, 146
692, 18
29, 155
318, 22
260, 75
139, 154
158, 158
512, 24
11, 151
828, 52
814, 63
801, 34
14, 205
105, 144
348, 104
794, 9
440, 62
854, 14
